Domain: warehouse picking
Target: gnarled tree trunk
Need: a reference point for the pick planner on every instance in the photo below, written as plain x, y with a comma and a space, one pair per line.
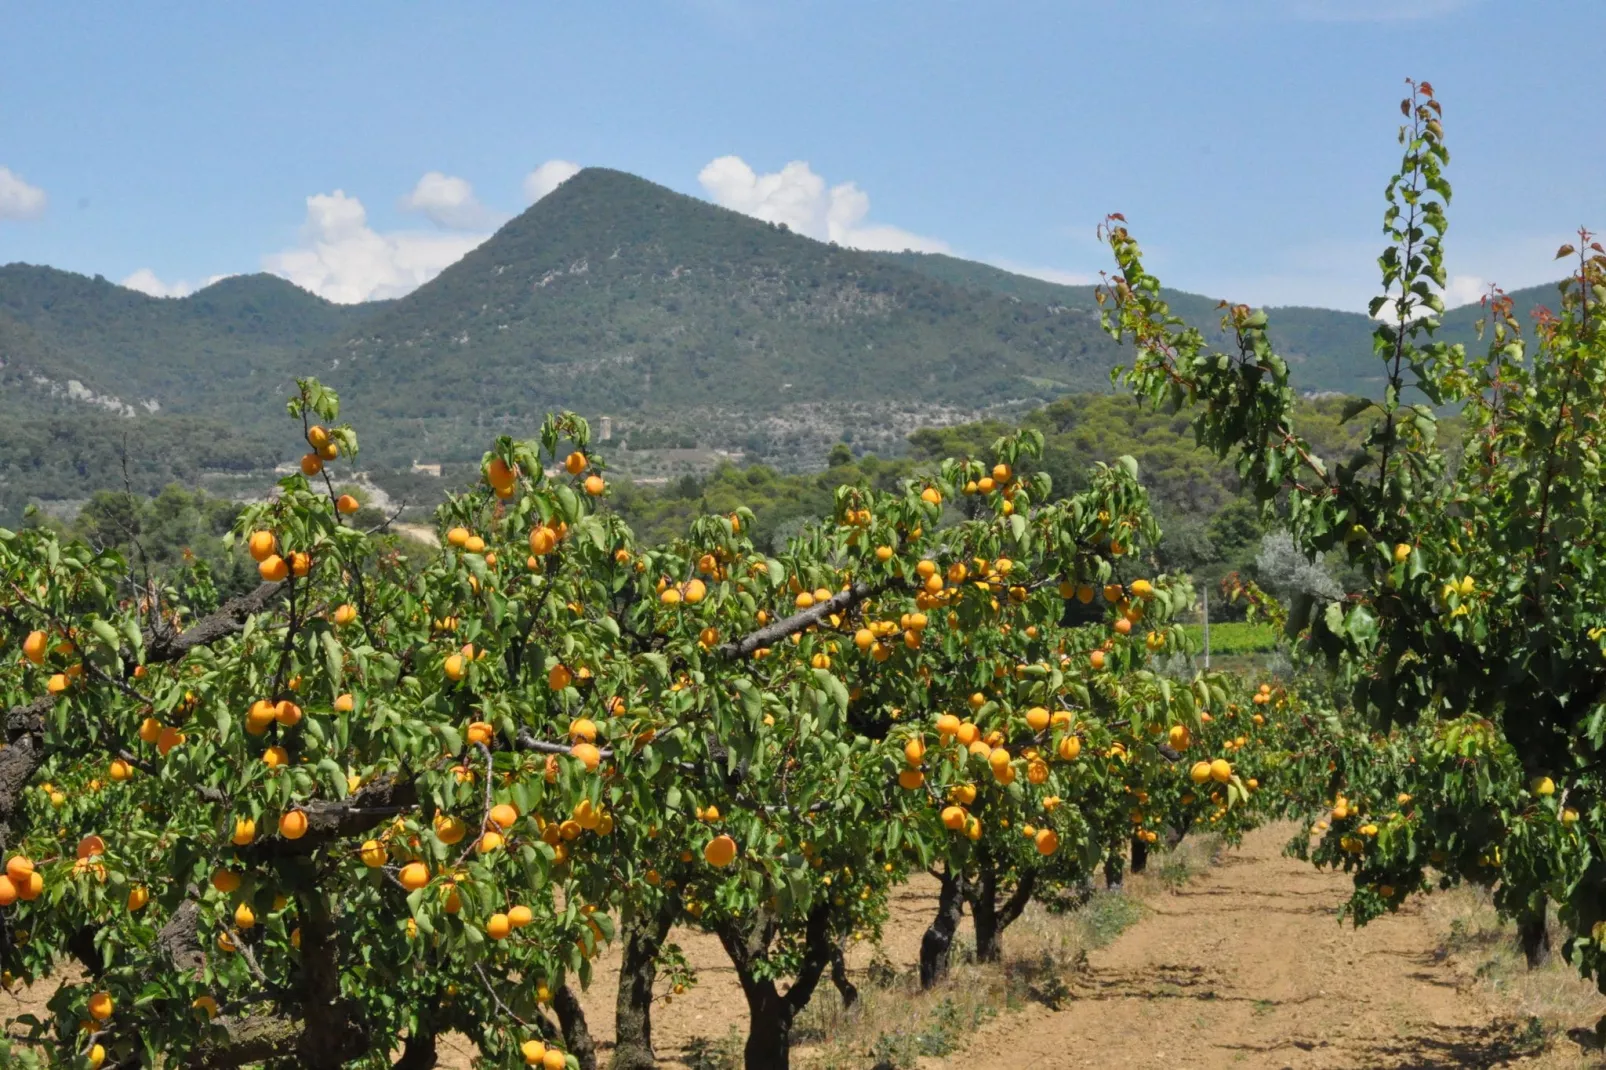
984, 913
644, 940
572, 1020
1112, 871
1140, 855
991, 912
1533, 936
938, 941
769, 1014
330, 1038
418, 1053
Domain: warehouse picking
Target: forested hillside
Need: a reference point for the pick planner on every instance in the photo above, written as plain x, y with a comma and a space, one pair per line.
688, 324
1327, 350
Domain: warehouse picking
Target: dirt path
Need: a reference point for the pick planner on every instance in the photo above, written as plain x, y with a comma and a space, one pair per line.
1244, 966
1247, 966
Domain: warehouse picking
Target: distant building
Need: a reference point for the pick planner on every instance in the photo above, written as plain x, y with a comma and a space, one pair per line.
605, 429
427, 469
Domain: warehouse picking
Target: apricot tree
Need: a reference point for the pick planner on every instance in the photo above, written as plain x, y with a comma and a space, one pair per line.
1482, 603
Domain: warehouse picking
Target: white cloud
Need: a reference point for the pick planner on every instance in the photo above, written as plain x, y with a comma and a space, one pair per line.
1464, 290
343, 259
449, 202
548, 177
1458, 290
18, 200
145, 281
798, 197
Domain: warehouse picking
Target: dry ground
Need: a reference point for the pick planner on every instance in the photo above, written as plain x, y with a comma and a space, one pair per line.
1236, 960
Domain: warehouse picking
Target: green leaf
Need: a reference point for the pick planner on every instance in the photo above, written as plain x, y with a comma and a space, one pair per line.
1017, 526
334, 658
451, 738
105, 633
1353, 408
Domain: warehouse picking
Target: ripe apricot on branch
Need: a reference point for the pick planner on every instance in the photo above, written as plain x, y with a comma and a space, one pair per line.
720, 851
100, 1006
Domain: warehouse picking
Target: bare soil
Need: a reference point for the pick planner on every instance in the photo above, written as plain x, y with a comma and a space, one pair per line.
1249, 966
1246, 965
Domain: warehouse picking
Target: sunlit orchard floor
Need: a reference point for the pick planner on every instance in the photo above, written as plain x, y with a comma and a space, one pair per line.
1235, 960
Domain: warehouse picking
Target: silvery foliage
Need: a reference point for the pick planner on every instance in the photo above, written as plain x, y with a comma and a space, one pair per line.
1286, 571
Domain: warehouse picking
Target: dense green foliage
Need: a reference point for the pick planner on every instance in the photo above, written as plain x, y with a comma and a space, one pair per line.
1210, 527
1236, 637
178, 536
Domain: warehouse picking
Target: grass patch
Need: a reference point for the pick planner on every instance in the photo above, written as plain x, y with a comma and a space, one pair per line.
1187, 860
1235, 637
1106, 916
894, 1025
1541, 1005
725, 1053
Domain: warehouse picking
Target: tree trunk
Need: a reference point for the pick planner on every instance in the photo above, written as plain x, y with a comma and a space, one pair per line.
769, 1014
1533, 936
576, 1034
839, 977
1140, 855
418, 1053
644, 939
990, 916
769, 1028
1112, 872
330, 1039
939, 938
984, 911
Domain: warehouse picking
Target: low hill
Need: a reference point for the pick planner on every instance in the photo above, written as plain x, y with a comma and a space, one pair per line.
1328, 350
216, 353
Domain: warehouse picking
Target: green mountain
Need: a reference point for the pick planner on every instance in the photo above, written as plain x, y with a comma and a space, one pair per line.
613, 295
1328, 351
215, 353
684, 322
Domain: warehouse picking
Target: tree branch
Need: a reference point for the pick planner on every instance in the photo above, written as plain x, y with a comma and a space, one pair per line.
1018, 900
771, 634
162, 644
818, 951
329, 820
233, 1041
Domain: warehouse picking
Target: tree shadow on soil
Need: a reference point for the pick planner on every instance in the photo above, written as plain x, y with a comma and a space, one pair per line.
1499, 1044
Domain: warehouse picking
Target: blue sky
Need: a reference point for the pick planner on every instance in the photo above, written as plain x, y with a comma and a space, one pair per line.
358, 147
